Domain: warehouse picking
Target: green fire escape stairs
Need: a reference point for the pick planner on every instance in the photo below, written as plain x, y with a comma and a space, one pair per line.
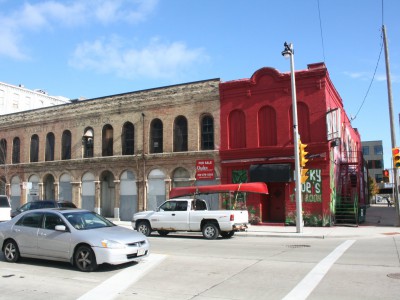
347, 207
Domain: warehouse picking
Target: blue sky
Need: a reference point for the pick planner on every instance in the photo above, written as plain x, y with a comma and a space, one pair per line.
95, 48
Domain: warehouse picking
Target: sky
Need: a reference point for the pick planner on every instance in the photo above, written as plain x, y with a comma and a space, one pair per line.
95, 48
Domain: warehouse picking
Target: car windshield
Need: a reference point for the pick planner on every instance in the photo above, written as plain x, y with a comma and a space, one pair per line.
87, 220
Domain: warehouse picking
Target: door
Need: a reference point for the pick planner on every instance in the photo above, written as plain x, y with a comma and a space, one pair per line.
26, 233
275, 202
53, 243
172, 215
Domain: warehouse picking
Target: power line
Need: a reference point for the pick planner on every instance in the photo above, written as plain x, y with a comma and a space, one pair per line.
320, 28
369, 87
376, 67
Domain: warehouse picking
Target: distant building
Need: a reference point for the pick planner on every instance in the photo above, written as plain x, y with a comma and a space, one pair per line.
18, 98
373, 154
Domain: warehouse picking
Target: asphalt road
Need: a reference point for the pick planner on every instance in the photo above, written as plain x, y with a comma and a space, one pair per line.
244, 267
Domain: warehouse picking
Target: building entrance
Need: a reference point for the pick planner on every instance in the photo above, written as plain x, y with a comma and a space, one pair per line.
273, 209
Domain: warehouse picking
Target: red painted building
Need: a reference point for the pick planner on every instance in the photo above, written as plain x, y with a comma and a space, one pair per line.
257, 145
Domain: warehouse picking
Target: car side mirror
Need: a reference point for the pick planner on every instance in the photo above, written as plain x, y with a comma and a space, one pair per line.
60, 228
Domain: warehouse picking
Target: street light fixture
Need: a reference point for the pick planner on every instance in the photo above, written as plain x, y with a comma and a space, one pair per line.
288, 52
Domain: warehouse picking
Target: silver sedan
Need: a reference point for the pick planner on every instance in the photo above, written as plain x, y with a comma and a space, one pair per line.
78, 236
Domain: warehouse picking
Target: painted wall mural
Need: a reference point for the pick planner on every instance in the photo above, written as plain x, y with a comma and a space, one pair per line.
312, 188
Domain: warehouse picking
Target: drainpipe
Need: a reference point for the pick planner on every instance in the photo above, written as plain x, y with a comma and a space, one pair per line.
144, 165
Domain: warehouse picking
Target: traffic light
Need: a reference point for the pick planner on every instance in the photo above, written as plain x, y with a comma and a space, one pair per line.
303, 153
385, 174
304, 175
396, 157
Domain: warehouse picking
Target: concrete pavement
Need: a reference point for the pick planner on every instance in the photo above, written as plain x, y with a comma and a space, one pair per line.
380, 221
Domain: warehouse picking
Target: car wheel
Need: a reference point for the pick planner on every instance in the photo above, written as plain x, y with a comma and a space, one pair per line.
210, 231
163, 232
144, 228
227, 234
85, 259
11, 251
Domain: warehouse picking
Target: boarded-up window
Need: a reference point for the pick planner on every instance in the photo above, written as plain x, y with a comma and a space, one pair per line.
267, 126
237, 130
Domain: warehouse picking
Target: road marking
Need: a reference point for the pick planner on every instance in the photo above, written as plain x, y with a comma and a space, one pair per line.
312, 279
110, 288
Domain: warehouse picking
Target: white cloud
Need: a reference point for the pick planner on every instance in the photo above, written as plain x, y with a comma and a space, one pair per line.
368, 76
156, 60
45, 15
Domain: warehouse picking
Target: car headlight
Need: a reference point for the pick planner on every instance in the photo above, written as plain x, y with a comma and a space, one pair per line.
112, 244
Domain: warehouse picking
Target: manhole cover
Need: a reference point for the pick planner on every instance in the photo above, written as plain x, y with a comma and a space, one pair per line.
394, 275
391, 233
298, 246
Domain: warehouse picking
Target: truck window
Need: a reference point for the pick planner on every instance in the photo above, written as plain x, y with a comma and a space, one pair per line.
168, 206
200, 205
181, 206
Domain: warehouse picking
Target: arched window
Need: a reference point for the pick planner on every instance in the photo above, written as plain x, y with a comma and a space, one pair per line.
181, 177
108, 140
180, 134
237, 129
267, 129
34, 153
128, 139
50, 140
207, 133
3, 151
87, 142
16, 152
156, 136
303, 120
66, 145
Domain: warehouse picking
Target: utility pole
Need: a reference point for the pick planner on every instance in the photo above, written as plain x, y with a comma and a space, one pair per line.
392, 128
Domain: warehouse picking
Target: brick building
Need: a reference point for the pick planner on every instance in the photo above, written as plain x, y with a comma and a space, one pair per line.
257, 145
122, 153
116, 154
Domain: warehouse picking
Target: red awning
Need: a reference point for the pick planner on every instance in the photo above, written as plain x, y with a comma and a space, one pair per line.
252, 187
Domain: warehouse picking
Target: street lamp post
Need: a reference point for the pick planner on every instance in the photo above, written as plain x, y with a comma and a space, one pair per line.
289, 53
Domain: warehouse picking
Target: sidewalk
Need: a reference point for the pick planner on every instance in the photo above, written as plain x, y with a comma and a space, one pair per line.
380, 221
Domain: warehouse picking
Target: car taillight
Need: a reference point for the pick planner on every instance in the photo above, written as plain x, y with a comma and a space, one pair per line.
232, 217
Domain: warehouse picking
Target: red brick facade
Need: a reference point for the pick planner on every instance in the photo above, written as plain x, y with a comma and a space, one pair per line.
257, 143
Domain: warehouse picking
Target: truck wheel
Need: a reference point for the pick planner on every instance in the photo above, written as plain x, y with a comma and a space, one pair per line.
227, 234
144, 228
210, 231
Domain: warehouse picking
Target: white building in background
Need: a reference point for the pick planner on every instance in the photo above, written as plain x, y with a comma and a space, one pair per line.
18, 98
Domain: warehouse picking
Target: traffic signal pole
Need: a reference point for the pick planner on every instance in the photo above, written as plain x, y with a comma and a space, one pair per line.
392, 128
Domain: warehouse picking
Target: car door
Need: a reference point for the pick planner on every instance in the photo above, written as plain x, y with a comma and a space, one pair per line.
25, 233
172, 215
51, 242
160, 218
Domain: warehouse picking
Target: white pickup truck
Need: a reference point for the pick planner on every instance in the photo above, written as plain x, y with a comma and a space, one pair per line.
191, 215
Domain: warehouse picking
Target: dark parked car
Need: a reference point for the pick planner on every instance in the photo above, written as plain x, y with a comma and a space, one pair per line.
42, 204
